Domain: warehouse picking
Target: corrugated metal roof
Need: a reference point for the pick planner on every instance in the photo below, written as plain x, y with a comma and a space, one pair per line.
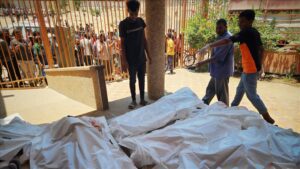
237, 5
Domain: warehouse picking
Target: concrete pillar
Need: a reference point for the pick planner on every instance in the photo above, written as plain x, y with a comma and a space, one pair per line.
155, 33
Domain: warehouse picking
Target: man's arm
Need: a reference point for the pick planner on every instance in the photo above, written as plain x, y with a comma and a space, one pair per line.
15, 48
101, 48
217, 43
123, 53
95, 49
212, 59
111, 43
235, 38
91, 46
261, 53
122, 32
147, 49
221, 42
223, 48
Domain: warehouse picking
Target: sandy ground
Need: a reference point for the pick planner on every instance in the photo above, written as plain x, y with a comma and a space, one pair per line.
45, 105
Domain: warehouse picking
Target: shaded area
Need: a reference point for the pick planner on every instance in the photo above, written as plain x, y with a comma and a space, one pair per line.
116, 108
2, 107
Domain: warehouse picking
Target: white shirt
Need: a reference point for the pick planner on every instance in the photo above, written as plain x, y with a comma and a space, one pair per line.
86, 44
102, 50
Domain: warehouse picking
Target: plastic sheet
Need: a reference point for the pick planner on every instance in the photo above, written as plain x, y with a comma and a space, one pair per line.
71, 142
178, 105
16, 136
218, 137
212, 137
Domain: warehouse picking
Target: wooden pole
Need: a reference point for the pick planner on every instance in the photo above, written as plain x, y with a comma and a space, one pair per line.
44, 34
205, 8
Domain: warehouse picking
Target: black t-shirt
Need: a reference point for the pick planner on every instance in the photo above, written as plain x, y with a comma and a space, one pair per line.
4, 51
250, 38
133, 33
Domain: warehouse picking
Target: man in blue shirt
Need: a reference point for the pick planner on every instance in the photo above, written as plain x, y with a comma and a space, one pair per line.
220, 67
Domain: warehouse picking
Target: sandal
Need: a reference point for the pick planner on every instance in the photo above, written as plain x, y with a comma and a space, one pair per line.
132, 105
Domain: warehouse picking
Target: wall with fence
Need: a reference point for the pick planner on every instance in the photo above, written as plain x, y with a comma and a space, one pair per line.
37, 35
282, 63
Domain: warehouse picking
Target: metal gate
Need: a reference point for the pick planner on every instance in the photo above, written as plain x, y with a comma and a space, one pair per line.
41, 34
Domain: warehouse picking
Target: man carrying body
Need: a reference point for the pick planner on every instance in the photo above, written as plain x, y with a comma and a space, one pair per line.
133, 46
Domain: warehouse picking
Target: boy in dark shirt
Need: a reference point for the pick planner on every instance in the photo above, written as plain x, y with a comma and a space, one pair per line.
252, 57
133, 46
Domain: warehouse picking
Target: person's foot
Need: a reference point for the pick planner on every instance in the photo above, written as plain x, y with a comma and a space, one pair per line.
14, 164
132, 105
143, 103
22, 84
268, 118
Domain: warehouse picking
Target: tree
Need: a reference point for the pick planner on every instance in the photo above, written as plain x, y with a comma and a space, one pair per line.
268, 32
200, 31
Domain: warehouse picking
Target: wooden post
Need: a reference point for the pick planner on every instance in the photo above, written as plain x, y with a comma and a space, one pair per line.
44, 34
205, 8
266, 10
183, 26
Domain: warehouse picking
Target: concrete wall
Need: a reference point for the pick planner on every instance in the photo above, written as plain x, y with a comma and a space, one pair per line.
84, 84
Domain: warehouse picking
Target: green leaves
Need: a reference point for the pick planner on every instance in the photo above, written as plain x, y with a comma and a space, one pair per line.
268, 32
200, 31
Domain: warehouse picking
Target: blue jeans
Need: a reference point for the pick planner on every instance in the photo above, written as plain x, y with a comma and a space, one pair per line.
170, 63
248, 84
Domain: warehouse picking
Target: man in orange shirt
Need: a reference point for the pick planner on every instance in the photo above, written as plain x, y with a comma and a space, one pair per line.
252, 56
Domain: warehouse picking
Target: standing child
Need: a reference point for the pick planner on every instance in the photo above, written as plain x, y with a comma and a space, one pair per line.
133, 46
252, 56
170, 52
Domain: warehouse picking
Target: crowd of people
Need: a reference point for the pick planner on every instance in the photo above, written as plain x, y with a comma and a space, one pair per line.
14, 12
99, 49
22, 57
127, 49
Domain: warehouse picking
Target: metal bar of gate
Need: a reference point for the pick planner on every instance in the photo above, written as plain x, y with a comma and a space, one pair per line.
44, 33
